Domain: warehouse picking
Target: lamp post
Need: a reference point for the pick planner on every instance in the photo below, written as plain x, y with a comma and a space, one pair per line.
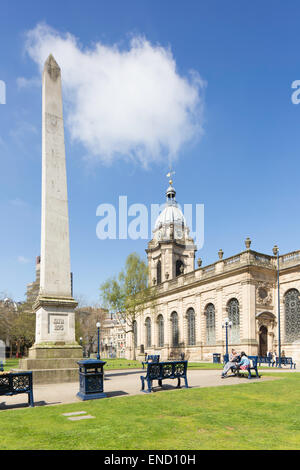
98, 324
227, 324
276, 253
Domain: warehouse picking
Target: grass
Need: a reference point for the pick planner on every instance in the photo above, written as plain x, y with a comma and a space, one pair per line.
113, 364
116, 364
256, 415
11, 364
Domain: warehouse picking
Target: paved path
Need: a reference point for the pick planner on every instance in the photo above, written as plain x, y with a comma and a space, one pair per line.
119, 383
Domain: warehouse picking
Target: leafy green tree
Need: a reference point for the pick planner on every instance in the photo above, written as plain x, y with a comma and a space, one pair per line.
126, 295
23, 328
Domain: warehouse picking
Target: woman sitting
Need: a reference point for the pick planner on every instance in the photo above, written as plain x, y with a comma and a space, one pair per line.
244, 362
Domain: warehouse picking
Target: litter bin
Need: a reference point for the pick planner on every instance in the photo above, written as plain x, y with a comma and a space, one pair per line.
91, 378
216, 358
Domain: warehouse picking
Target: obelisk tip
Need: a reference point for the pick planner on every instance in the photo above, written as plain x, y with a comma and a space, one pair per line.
52, 67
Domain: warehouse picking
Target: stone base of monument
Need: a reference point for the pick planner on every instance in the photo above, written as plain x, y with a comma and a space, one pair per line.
52, 363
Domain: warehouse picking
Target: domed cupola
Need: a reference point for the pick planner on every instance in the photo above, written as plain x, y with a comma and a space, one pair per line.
171, 222
171, 252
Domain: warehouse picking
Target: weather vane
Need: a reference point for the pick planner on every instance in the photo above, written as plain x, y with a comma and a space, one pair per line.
170, 174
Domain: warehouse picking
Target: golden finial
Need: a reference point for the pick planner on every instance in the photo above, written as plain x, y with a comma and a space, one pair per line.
169, 175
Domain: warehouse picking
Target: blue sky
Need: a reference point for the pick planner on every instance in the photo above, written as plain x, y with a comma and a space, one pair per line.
244, 168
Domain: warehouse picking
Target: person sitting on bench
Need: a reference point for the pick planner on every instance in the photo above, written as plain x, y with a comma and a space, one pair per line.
233, 359
244, 362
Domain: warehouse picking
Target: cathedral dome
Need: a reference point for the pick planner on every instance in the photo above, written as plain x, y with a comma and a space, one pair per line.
171, 214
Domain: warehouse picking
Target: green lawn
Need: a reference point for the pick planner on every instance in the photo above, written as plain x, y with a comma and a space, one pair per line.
114, 364
255, 415
11, 364
129, 364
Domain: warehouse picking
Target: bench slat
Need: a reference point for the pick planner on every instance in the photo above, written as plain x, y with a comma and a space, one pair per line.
164, 370
15, 383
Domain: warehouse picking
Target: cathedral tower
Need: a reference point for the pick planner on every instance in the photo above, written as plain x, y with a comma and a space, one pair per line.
171, 252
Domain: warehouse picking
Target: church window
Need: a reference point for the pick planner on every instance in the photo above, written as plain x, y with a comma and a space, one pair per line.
160, 322
233, 312
134, 333
292, 315
148, 332
158, 272
175, 330
191, 327
210, 324
179, 267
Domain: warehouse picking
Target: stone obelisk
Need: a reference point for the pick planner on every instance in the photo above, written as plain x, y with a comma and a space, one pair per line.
55, 348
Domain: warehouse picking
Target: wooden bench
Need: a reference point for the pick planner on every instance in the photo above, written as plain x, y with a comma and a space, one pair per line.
286, 361
14, 383
164, 370
253, 366
151, 358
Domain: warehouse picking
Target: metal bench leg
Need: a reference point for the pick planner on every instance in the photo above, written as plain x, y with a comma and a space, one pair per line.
186, 382
30, 399
160, 382
178, 382
143, 383
149, 382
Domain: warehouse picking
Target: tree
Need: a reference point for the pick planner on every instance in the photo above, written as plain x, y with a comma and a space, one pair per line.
17, 325
86, 319
23, 328
127, 295
8, 310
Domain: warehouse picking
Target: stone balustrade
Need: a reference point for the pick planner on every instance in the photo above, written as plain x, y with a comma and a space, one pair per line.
245, 258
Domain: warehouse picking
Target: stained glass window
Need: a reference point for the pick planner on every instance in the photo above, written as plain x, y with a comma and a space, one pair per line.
135, 333
148, 332
191, 327
292, 315
210, 324
233, 312
160, 323
158, 272
175, 331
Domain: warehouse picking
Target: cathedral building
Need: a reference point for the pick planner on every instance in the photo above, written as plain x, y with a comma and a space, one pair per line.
191, 306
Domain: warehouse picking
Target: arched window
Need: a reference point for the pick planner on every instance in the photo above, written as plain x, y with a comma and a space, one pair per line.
158, 272
175, 331
292, 315
233, 312
161, 337
135, 333
210, 324
179, 267
148, 332
191, 327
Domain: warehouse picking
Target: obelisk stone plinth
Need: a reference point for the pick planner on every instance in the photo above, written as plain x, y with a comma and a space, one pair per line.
55, 346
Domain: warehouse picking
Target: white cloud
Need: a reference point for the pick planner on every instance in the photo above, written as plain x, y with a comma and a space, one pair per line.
120, 103
18, 202
23, 260
23, 82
